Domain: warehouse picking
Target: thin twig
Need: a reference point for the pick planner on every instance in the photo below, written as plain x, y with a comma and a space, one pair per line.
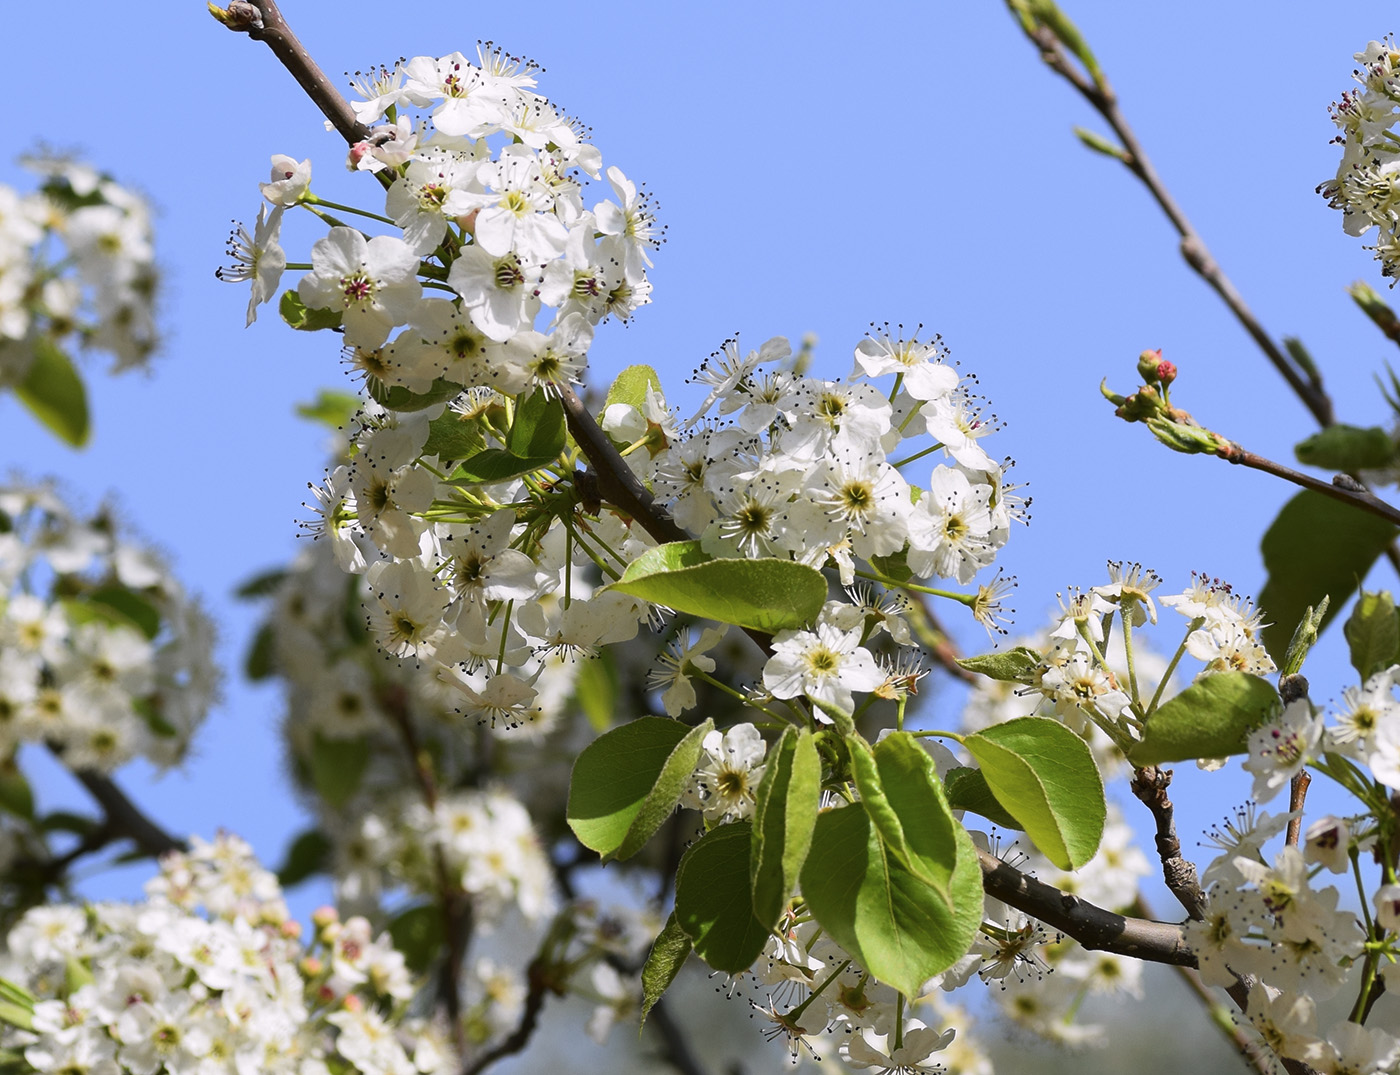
1100, 96
1297, 795
540, 981
1150, 785
1358, 497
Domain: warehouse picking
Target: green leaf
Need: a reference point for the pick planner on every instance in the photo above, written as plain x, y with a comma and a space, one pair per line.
766, 595
895, 924
668, 954
399, 398
1012, 666
597, 691
331, 409
450, 436
1317, 546
259, 661
630, 386
714, 902
305, 318
16, 796
263, 584
1099, 144
1373, 633
894, 566
133, 609
785, 812
1347, 448
309, 854
627, 781
417, 933
967, 790
65, 821
539, 429
1212, 718
55, 394
496, 465
1046, 778
337, 767
907, 805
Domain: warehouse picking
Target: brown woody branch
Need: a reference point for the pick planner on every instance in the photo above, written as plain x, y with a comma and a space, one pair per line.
1150, 785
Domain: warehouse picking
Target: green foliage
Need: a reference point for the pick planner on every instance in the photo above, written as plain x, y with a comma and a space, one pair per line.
452, 437
399, 398
16, 796
894, 923
1046, 778
55, 394
785, 813
627, 781
1315, 547
1212, 718
668, 954
259, 662
122, 605
1347, 448
765, 595
330, 408
537, 437
967, 790
1010, 666
417, 933
337, 767
714, 900
305, 318
309, 854
596, 690
630, 386
1373, 633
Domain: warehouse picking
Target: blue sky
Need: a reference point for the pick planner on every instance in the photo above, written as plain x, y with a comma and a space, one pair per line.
820, 167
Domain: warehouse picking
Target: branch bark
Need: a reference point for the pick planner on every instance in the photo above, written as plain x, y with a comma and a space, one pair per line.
1150, 785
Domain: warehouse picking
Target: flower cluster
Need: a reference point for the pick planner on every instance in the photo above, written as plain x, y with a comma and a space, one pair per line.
102, 654
76, 265
1367, 185
208, 975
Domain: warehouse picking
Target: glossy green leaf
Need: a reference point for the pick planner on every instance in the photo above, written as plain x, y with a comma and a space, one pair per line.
630, 386
1010, 666
1373, 633
668, 954
496, 465
330, 409
914, 817
450, 436
627, 781
539, 428
337, 767
399, 398
714, 901
967, 790
1046, 778
305, 318
417, 933
1212, 718
767, 595
785, 812
309, 854
55, 394
894, 923
1315, 547
1347, 448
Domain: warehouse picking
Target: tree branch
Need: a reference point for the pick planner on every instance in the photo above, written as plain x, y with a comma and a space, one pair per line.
1348, 492
1093, 927
124, 818
1150, 785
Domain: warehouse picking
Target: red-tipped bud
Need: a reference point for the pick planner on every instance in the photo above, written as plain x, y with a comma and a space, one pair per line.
323, 916
1166, 372
1147, 365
